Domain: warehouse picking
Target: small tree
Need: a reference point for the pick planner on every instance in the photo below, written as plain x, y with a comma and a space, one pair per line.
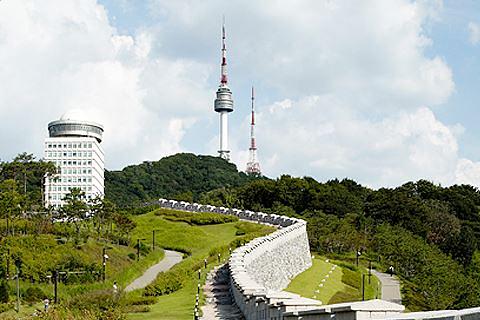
75, 207
103, 211
10, 201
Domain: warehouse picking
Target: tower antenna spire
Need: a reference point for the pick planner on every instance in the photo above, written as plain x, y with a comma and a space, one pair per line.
224, 77
253, 166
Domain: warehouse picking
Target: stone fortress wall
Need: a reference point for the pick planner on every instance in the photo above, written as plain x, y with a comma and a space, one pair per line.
262, 268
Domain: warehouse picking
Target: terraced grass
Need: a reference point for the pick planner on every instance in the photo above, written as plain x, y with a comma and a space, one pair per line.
197, 241
330, 285
309, 283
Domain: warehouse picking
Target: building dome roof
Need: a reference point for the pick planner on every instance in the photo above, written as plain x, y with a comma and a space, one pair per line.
75, 123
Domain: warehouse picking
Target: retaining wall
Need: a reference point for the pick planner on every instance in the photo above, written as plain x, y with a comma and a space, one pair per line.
262, 268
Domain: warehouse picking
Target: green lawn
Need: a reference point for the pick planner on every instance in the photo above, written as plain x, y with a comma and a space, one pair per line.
198, 241
340, 285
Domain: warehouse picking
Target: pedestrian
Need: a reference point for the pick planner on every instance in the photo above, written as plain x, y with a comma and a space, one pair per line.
391, 270
46, 303
115, 287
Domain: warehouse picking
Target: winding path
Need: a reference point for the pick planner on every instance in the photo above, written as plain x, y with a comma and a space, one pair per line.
170, 259
390, 287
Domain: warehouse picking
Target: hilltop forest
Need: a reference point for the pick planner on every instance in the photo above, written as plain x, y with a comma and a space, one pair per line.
182, 176
429, 233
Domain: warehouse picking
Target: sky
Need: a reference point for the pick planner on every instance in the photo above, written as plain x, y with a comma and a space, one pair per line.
382, 92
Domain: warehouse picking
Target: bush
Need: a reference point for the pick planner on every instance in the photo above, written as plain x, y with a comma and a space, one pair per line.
100, 299
195, 218
34, 294
5, 307
140, 301
132, 256
137, 309
352, 278
4, 292
166, 282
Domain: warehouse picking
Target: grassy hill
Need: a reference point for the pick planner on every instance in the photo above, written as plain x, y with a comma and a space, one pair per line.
183, 176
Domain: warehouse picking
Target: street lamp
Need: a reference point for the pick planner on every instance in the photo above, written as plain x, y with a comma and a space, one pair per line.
153, 239
105, 257
138, 248
358, 254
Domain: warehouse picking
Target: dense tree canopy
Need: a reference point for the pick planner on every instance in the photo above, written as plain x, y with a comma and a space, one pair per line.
184, 176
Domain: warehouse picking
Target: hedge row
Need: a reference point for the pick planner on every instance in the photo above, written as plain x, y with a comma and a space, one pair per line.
195, 218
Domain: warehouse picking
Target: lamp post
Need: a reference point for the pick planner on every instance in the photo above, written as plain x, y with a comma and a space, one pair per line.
105, 257
8, 264
55, 286
358, 254
17, 307
369, 270
138, 248
153, 239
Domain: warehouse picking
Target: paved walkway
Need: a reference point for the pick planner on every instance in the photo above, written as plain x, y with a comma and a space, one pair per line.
219, 303
170, 259
390, 287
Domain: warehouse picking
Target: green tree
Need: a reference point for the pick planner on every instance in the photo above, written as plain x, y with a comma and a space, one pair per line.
102, 211
75, 207
10, 202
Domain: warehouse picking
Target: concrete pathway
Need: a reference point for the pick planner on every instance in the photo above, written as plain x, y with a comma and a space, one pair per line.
390, 287
219, 304
170, 259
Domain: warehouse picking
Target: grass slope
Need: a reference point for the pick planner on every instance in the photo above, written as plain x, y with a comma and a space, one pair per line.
198, 241
343, 284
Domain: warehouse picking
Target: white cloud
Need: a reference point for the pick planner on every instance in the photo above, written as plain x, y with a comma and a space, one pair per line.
320, 136
62, 55
344, 89
468, 172
474, 33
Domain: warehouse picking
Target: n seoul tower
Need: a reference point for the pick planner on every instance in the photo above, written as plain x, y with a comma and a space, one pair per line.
224, 102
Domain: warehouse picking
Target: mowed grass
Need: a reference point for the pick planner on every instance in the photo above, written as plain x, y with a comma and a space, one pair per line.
196, 240
307, 284
343, 284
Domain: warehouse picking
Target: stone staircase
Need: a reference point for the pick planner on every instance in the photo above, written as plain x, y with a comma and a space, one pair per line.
219, 303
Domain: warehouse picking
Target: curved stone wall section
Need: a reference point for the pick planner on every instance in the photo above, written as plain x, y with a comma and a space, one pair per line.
263, 267
280, 259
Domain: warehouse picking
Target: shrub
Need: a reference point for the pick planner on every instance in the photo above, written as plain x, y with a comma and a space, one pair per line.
101, 299
140, 301
166, 282
5, 307
351, 278
137, 309
132, 256
195, 218
34, 294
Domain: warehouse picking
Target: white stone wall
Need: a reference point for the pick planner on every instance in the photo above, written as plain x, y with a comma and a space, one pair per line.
263, 267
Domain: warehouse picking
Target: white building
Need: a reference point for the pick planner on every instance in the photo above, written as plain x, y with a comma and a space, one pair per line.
74, 146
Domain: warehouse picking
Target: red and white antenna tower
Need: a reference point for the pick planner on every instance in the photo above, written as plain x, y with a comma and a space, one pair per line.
253, 167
